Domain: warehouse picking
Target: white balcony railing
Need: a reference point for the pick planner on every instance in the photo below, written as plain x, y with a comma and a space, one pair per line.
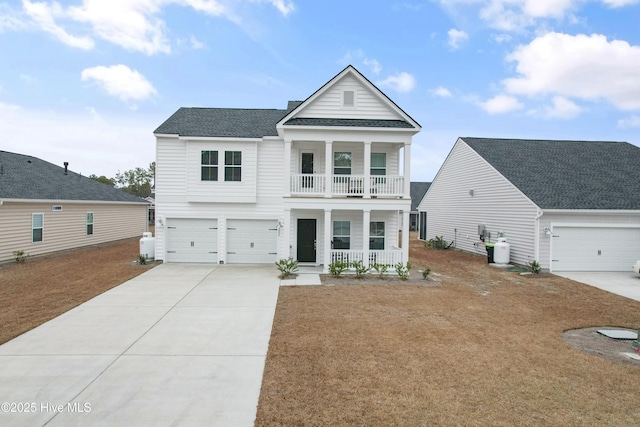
346, 185
389, 257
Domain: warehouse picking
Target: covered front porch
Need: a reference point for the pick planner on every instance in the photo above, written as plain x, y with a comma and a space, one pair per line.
324, 236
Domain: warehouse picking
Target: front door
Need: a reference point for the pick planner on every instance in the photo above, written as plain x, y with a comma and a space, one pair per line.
307, 240
306, 166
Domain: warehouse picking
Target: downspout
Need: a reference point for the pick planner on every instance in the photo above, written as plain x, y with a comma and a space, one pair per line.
536, 241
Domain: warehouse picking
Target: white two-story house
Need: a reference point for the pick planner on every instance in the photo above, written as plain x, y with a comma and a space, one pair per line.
326, 179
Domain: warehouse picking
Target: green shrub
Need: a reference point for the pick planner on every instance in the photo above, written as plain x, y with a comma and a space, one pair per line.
361, 270
381, 269
338, 267
20, 256
425, 273
403, 270
142, 259
287, 266
534, 267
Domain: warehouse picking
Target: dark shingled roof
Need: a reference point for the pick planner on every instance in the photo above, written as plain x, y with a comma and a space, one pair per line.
26, 177
417, 190
350, 123
567, 174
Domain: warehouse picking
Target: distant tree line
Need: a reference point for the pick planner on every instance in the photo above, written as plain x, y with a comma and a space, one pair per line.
136, 181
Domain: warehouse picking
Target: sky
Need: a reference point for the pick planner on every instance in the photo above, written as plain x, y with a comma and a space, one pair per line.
88, 81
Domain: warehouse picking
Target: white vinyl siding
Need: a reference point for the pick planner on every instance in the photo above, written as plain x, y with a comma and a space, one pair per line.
454, 213
331, 103
66, 229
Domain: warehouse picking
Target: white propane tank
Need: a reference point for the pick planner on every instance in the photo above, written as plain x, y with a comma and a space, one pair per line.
501, 251
148, 245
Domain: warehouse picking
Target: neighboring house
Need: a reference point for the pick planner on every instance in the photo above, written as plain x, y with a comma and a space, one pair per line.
46, 208
418, 190
324, 180
570, 205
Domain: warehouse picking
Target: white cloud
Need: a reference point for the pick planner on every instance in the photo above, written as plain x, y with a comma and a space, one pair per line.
562, 108
120, 81
583, 67
195, 43
43, 15
515, 15
456, 38
442, 92
402, 82
132, 24
501, 104
373, 64
629, 122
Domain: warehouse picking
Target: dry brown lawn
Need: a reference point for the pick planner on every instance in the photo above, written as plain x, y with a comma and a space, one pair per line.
45, 287
483, 349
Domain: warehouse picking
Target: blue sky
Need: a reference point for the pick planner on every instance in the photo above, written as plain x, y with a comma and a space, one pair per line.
87, 81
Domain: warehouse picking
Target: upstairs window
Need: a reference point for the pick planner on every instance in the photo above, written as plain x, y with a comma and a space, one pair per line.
233, 166
89, 223
378, 164
37, 227
342, 163
376, 235
341, 235
349, 98
209, 166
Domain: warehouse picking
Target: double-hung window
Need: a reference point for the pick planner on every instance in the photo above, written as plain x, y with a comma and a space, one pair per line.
89, 223
376, 235
341, 235
233, 166
378, 164
209, 166
341, 163
37, 227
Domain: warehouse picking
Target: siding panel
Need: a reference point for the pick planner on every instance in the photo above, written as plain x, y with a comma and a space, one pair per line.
452, 212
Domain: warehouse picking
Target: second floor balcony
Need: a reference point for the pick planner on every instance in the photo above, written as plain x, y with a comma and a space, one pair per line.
317, 185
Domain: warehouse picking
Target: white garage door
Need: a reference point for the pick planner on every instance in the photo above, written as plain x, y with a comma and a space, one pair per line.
192, 240
595, 249
251, 241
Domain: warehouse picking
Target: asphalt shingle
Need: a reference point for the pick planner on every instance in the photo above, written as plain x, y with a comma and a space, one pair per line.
417, 191
567, 174
27, 177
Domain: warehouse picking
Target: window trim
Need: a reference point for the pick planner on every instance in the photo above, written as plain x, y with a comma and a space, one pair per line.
343, 168
89, 223
209, 166
234, 165
378, 168
334, 236
377, 237
33, 228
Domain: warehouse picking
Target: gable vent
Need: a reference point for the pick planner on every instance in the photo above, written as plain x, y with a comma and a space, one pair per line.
348, 98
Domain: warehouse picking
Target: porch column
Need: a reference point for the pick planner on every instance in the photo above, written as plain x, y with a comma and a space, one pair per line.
326, 250
367, 170
405, 236
286, 234
366, 219
328, 168
407, 171
287, 168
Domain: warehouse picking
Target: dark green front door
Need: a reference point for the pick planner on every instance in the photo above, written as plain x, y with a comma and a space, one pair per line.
307, 240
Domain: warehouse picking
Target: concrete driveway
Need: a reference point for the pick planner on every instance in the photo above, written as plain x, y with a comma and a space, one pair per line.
626, 284
178, 345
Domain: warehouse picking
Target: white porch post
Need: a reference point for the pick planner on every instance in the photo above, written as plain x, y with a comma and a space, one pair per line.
407, 171
287, 168
366, 219
286, 233
405, 236
326, 250
328, 168
367, 170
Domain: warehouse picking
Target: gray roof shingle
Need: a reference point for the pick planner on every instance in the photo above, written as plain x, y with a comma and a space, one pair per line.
567, 174
417, 190
27, 177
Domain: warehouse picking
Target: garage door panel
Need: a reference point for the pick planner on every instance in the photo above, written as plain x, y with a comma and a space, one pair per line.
251, 241
192, 240
595, 248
